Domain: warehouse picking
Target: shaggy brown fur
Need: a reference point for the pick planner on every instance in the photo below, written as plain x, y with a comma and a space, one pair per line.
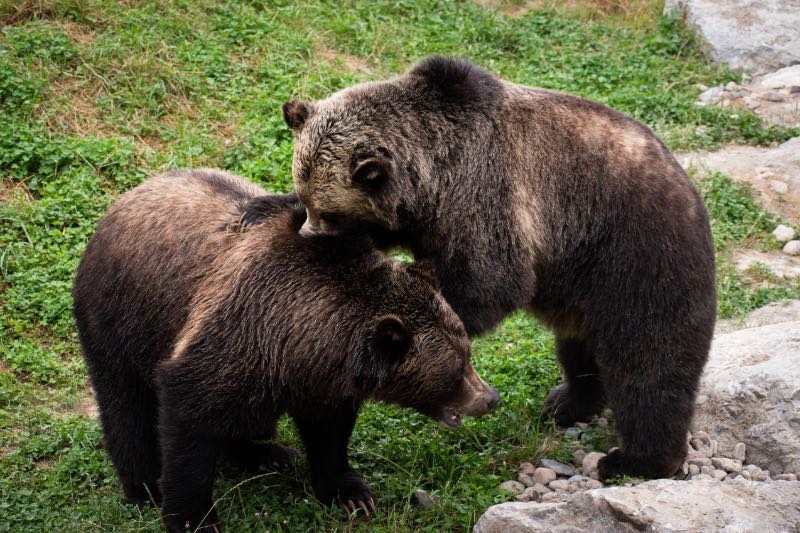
527, 198
198, 336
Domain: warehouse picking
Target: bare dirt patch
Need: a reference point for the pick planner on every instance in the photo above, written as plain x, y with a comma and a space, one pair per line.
353, 63
773, 172
10, 189
627, 10
74, 100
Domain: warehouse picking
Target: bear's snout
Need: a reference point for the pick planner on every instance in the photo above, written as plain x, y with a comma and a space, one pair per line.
475, 398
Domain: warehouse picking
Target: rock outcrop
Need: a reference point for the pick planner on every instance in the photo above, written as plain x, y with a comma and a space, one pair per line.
750, 393
662, 505
753, 35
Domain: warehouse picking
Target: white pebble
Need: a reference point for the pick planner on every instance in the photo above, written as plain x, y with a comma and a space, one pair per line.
785, 477
792, 248
780, 187
574, 486
559, 484
719, 474
694, 470
594, 484
525, 480
783, 233
702, 476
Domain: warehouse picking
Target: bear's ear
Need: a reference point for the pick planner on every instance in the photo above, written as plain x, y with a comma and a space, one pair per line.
425, 269
392, 338
371, 171
296, 113
457, 80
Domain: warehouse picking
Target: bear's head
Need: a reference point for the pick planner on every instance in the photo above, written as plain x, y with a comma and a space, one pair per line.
366, 155
416, 352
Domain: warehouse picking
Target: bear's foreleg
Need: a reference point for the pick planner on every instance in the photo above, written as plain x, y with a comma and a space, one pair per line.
325, 435
581, 395
189, 461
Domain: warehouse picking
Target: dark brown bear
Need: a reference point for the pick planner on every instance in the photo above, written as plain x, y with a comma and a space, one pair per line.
198, 336
527, 198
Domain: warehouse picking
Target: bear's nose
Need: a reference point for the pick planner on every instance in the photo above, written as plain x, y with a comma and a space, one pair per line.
494, 399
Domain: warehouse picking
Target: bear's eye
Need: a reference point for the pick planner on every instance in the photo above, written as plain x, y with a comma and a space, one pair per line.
332, 219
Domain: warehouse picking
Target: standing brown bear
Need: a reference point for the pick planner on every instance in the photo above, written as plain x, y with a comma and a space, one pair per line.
198, 336
527, 198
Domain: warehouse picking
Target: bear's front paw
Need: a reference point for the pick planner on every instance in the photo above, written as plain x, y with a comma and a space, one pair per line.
352, 494
567, 408
618, 464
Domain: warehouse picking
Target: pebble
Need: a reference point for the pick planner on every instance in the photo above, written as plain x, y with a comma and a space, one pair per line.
772, 96
572, 432
514, 487
528, 495
574, 486
543, 476
745, 474
701, 442
729, 465
527, 468
526, 480
780, 187
541, 489
559, 468
578, 478
550, 496
792, 248
601, 422
594, 484
708, 470
739, 451
559, 484
785, 477
756, 474
698, 459
702, 476
719, 475
782, 233
694, 470
731, 86
590, 462
422, 498
579, 454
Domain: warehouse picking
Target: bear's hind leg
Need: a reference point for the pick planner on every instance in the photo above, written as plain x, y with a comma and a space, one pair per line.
128, 413
651, 385
581, 395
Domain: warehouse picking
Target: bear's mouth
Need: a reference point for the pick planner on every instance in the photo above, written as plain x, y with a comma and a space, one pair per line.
450, 418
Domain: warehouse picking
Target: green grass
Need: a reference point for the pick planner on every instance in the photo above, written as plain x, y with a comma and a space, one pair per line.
96, 95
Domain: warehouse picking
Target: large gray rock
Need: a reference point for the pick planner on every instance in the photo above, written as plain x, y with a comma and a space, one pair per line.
750, 392
754, 35
662, 505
